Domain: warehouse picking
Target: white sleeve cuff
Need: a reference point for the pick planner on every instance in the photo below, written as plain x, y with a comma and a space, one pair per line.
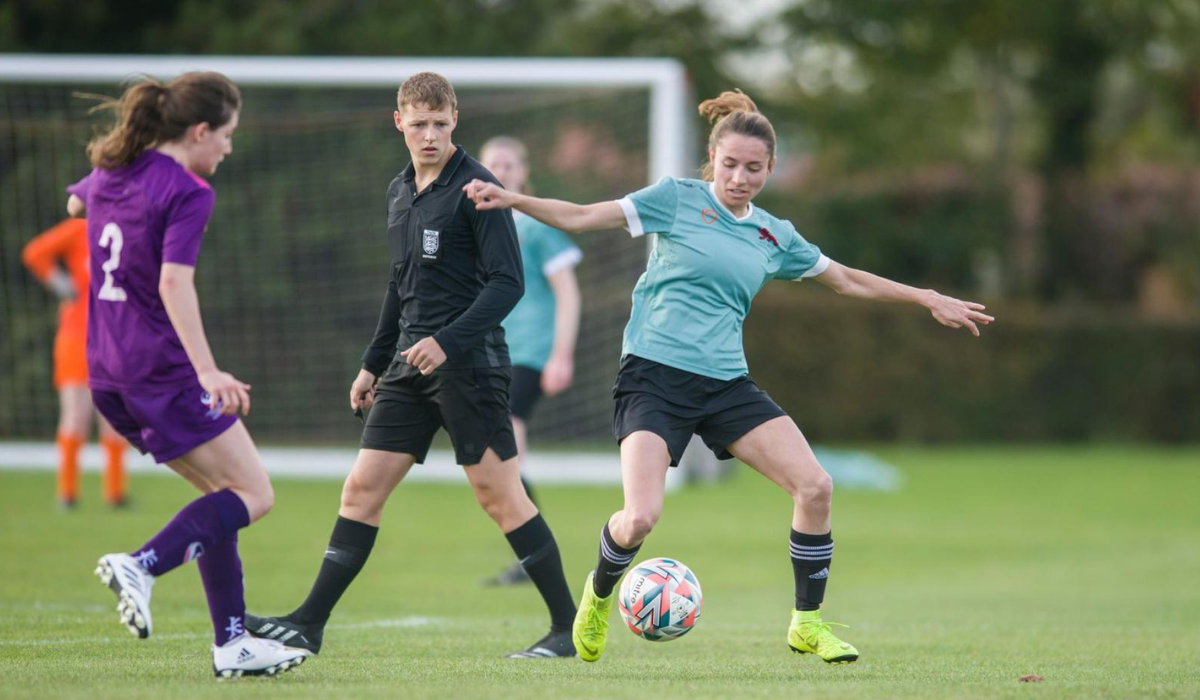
818, 267
568, 258
633, 222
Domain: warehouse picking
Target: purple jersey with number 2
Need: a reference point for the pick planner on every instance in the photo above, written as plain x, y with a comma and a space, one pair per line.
150, 212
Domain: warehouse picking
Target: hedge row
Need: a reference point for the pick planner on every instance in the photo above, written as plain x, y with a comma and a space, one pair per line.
848, 370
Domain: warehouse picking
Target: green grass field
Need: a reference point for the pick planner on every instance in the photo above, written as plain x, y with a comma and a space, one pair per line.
1081, 565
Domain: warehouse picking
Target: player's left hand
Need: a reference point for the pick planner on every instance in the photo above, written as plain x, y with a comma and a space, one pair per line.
557, 374
426, 355
956, 313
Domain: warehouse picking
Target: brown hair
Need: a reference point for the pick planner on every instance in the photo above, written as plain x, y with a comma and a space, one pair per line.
150, 112
429, 89
733, 112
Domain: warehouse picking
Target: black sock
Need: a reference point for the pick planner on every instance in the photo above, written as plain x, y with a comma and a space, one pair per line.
613, 561
349, 546
528, 490
534, 545
811, 555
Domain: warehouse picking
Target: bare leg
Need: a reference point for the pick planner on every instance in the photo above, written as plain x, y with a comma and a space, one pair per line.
644, 464
777, 450
498, 489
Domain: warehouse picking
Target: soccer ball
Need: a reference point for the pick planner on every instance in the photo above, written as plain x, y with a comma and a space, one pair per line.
660, 599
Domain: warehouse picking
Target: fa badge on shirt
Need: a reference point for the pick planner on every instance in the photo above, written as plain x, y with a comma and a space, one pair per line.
431, 244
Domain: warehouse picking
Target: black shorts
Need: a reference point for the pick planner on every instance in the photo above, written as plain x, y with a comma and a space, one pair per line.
471, 404
525, 390
674, 404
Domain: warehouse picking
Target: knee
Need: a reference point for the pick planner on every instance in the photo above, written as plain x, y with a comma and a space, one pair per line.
494, 501
259, 501
816, 492
358, 497
638, 522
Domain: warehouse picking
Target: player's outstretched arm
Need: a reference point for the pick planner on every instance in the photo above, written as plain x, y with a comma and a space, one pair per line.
177, 289
567, 216
948, 311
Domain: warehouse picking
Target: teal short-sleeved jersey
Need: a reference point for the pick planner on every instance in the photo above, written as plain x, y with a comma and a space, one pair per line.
705, 269
529, 327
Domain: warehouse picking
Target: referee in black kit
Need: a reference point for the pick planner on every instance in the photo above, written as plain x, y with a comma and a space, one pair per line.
455, 274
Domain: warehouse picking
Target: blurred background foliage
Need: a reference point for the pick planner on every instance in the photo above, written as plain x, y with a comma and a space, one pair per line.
1040, 155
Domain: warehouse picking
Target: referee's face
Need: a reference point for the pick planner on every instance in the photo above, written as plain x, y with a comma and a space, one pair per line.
427, 132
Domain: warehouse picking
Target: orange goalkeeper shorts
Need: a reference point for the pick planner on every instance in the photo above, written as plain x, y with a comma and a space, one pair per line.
70, 359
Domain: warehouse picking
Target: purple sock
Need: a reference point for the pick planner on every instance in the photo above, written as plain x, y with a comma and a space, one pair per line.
221, 573
194, 530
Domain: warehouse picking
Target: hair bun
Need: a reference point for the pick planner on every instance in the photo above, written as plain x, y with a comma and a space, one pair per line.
725, 104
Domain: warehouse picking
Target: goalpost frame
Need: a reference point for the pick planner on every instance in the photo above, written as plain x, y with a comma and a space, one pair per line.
669, 129
665, 78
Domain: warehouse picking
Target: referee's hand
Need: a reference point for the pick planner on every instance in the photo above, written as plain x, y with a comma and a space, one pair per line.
362, 391
426, 355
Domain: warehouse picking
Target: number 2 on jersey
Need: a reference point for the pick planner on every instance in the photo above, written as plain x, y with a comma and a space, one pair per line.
111, 238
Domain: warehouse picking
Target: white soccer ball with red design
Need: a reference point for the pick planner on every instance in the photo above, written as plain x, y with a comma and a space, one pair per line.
660, 599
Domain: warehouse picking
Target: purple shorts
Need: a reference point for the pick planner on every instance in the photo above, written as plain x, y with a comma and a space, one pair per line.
166, 424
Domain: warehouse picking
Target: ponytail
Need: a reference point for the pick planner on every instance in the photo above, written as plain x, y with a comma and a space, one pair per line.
139, 122
151, 112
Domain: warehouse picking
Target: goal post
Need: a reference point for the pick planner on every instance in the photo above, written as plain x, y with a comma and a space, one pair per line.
293, 269
665, 78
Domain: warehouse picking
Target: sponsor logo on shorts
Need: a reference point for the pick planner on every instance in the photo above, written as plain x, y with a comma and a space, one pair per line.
213, 413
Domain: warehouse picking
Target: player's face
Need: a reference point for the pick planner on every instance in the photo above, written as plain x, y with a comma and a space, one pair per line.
427, 132
507, 166
741, 165
210, 146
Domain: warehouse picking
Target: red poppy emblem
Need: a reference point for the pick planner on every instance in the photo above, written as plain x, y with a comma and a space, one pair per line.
765, 235
708, 215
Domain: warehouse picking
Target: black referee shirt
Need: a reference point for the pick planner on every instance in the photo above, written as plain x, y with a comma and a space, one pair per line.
456, 272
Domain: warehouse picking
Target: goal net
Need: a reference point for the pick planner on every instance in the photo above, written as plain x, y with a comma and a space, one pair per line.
294, 263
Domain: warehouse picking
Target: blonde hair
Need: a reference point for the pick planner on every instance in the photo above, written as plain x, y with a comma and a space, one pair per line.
429, 89
733, 112
150, 112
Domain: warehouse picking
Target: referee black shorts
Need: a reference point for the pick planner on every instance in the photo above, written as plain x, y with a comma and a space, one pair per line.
524, 391
471, 404
674, 404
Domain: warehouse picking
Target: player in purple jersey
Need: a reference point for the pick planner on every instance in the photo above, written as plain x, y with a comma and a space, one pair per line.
151, 371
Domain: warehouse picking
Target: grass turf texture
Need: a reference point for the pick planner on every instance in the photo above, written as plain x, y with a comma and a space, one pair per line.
1080, 565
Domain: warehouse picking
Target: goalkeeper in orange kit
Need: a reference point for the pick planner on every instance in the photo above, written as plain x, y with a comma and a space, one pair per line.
58, 257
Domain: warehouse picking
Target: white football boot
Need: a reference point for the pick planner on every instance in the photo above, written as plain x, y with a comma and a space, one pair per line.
250, 656
132, 584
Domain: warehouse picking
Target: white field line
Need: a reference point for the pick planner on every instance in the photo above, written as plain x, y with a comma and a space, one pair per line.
412, 621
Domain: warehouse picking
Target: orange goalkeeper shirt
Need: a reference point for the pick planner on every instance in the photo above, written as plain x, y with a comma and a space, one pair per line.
65, 242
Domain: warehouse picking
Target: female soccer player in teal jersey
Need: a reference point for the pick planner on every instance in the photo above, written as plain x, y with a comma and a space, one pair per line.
542, 328
683, 369
150, 368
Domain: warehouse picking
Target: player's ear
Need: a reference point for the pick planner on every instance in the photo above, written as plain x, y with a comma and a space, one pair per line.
771, 165
454, 120
399, 121
198, 132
